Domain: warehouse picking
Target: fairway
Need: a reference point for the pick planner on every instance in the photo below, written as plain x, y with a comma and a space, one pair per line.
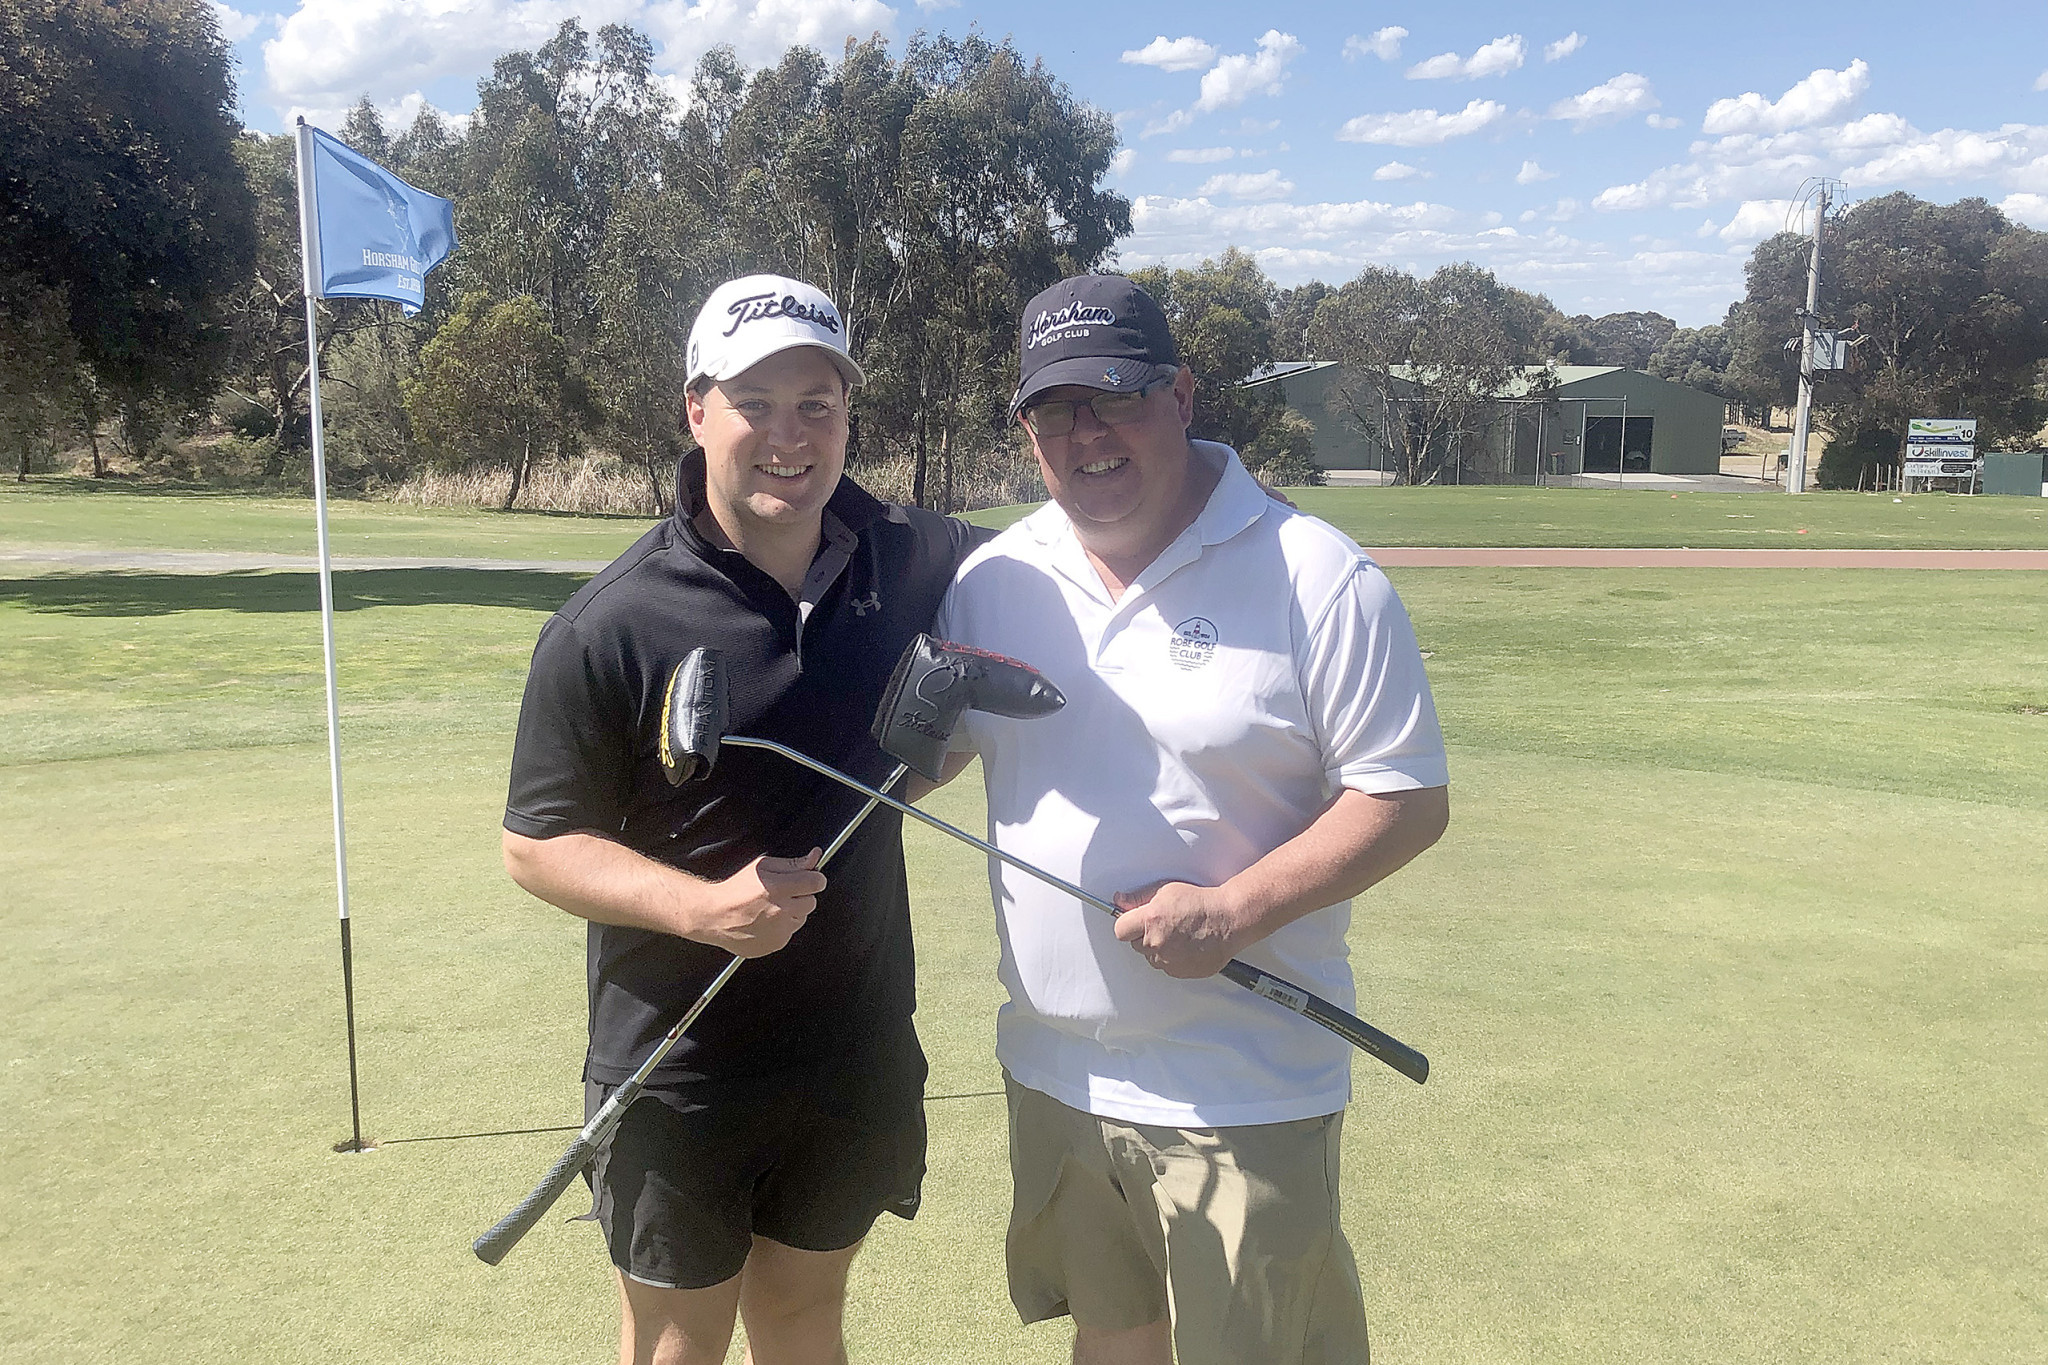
1730, 969
72, 513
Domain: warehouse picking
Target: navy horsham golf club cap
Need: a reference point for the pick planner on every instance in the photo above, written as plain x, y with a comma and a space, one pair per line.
1098, 330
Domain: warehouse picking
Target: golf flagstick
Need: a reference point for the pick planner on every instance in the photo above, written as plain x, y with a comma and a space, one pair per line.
492, 1247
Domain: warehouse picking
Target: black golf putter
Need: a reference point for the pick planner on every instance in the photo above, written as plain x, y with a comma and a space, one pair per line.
932, 685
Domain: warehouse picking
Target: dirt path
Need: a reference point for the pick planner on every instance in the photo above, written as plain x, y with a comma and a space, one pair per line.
1718, 558
1398, 556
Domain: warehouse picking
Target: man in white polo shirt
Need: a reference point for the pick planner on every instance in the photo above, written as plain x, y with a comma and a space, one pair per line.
1248, 742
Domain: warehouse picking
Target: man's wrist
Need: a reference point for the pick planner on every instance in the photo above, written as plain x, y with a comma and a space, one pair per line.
1241, 913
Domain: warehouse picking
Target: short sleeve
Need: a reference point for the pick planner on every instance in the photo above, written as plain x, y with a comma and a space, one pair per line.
572, 758
1368, 697
946, 626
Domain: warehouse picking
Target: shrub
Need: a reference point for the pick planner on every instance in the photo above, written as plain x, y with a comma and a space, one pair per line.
1284, 452
1856, 457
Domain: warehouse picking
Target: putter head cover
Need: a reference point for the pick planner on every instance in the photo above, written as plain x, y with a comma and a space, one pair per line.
693, 716
935, 681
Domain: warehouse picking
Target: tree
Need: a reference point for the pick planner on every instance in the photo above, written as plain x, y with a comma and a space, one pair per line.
38, 365
1628, 340
119, 189
1428, 360
1951, 303
1284, 452
1294, 314
491, 385
1000, 175
1222, 320
1697, 357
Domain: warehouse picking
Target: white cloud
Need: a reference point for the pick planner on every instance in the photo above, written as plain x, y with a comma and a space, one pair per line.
1874, 151
1756, 220
1496, 58
1172, 123
1201, 156
235, 25
1531, 173
1564, 47
1247, 187
327, 53
2031, 209
1125, 158
1664, 121
1817, 99
928, 6
1235, 79
1172, 54
1334, 241
1626, 94
1946, 155
1399, 170
1421, 127
1385, 44
2041, 81
1563, 211
2032, 176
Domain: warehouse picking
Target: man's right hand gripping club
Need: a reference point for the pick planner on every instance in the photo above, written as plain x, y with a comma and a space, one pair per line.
751, 913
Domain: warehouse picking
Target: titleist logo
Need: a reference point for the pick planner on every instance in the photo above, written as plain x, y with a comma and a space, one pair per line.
755, 307
1055, 323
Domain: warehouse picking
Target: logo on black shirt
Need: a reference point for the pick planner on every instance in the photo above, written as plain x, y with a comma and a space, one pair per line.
1193, 643
863, 605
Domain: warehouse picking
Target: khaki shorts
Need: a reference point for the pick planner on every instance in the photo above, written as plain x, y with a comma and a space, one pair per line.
1232, 1232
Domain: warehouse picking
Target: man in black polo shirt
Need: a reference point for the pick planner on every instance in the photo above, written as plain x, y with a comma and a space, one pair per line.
772, 1137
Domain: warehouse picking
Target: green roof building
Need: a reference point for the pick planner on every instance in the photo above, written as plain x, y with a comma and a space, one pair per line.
1599, 419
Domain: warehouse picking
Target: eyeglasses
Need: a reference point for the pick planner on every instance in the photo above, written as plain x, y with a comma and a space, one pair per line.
1056, 418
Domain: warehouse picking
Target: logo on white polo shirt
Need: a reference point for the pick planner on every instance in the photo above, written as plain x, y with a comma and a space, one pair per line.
1193, 643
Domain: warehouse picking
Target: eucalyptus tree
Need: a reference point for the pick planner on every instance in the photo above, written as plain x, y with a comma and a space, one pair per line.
1948, 304
1429, 359
120, 195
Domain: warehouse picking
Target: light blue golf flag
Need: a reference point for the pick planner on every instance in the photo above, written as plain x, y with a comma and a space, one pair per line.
375, 237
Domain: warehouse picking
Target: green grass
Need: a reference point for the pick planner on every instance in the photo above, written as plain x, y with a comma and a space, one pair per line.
1730, 969
75, 513
78, 513
1623, 517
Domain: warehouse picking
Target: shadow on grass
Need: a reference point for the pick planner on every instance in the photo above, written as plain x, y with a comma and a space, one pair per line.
571, 1128
84, 485
164, 594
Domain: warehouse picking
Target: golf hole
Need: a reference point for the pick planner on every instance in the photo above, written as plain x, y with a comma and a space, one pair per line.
347, 1147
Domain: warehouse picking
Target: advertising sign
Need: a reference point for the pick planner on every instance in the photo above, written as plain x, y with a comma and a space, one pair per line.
1937, 462
1941, 431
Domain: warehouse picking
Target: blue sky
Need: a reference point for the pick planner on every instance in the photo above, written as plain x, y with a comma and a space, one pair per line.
1612, 156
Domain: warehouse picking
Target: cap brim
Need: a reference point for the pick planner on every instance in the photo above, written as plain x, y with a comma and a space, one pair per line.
1090, 372
739, 362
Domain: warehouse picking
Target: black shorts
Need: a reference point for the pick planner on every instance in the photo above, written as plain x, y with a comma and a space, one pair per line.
692, 1176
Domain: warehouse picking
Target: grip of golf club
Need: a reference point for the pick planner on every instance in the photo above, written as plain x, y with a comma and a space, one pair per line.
493, 1245
1343, 1023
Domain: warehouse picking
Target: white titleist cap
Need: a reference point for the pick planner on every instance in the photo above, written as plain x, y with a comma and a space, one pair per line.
749, 319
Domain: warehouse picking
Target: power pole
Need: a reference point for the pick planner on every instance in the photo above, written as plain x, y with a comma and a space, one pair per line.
1802, 423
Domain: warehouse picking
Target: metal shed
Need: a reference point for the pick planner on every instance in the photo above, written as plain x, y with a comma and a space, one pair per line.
1598, 419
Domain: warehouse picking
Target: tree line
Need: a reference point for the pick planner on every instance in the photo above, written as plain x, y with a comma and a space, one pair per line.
149, 272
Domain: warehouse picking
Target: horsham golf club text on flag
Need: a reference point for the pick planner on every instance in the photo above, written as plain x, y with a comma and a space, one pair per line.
374, 236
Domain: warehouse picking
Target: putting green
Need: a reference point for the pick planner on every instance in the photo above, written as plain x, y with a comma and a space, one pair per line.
1729, 970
